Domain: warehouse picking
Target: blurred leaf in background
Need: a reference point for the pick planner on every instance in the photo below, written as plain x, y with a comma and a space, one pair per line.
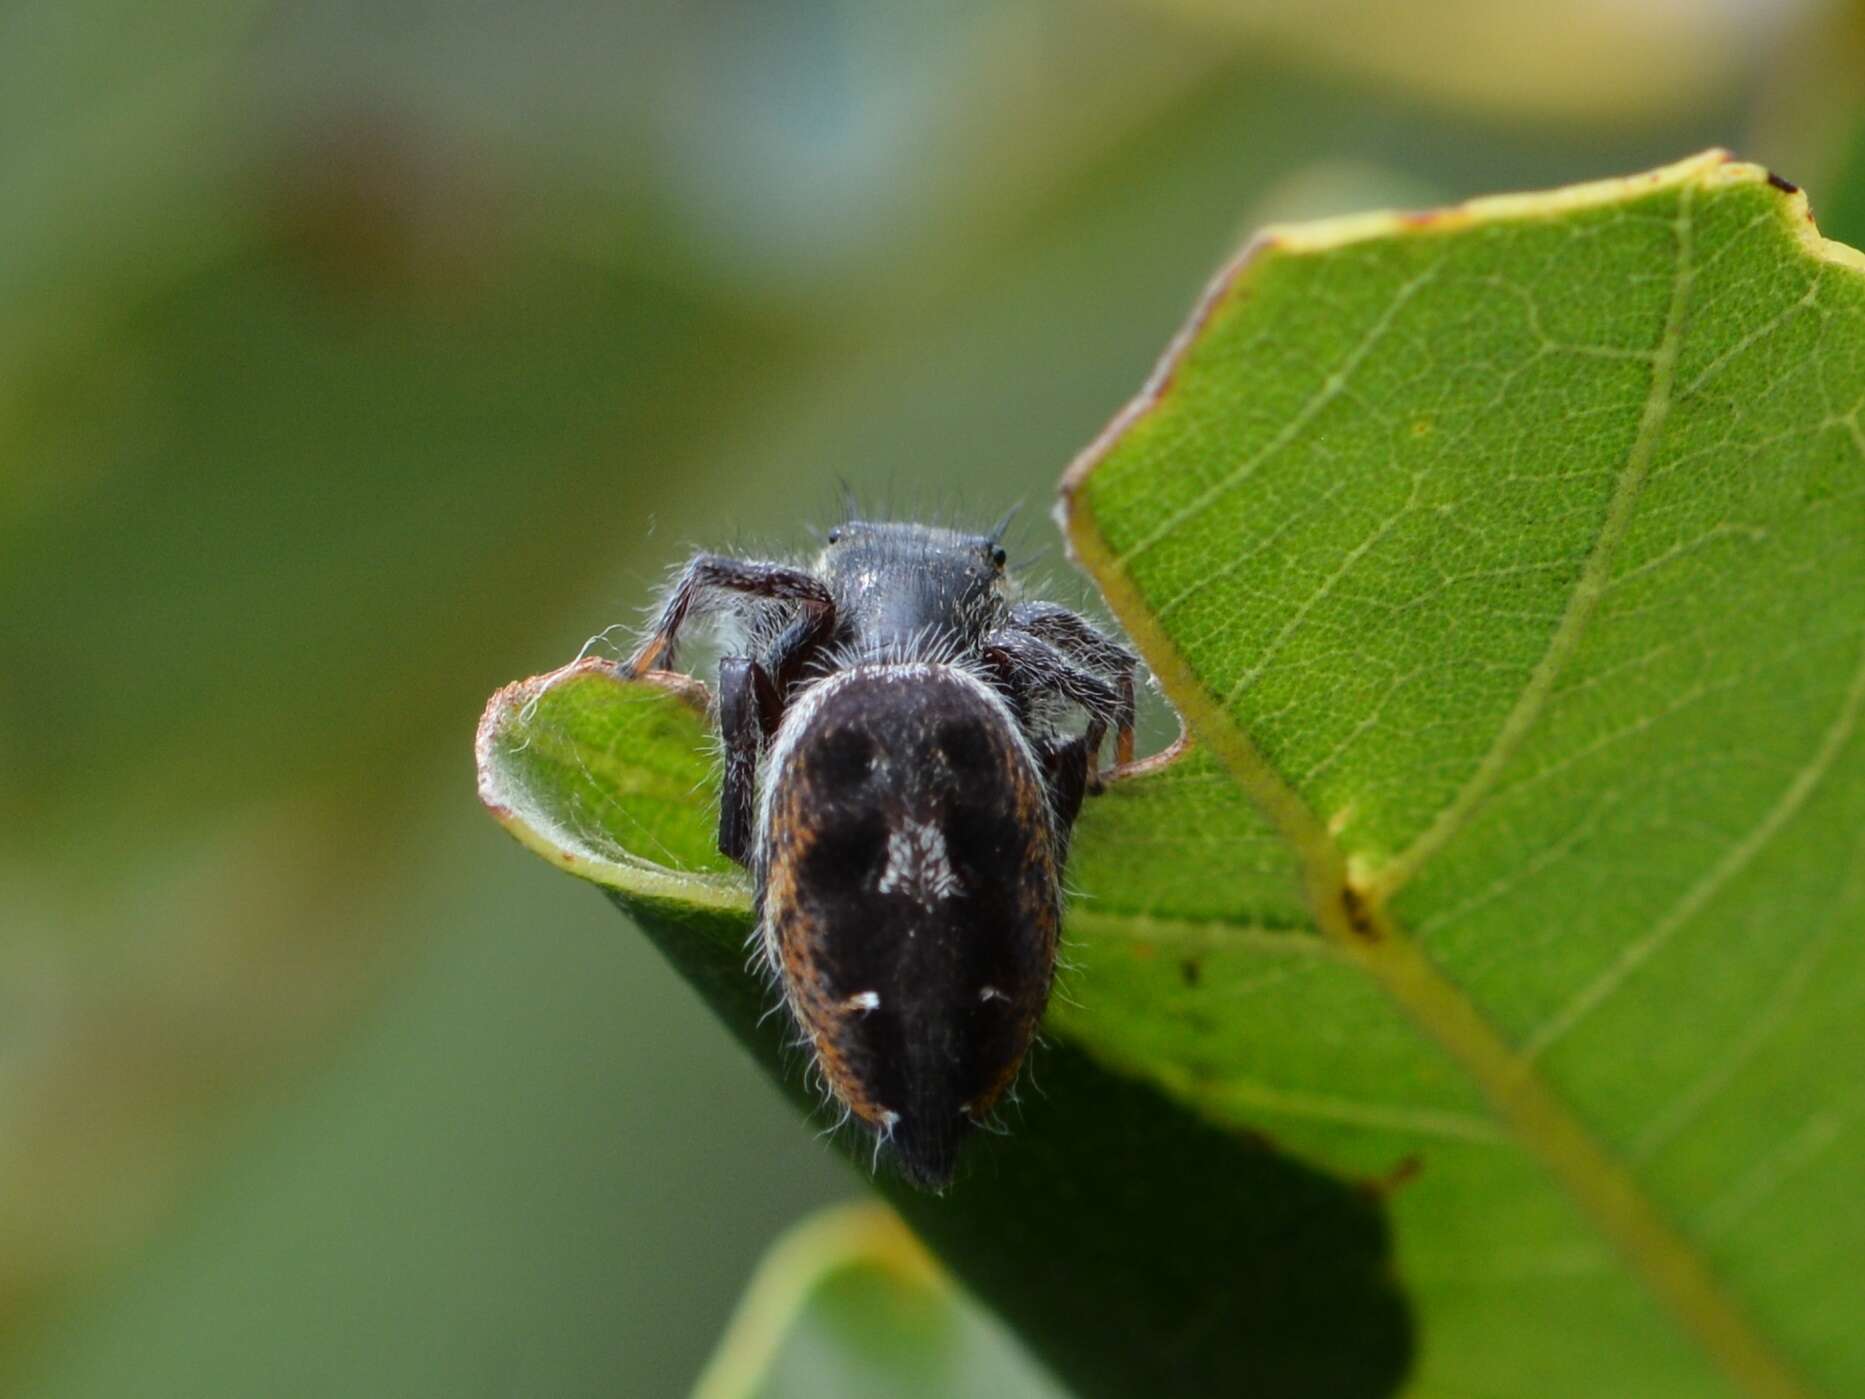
355, 358
849, 1304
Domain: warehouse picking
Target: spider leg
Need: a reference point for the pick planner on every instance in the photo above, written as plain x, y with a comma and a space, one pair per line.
1074, 635
698, 587
1030, 668
1066, 773
746, 697
793, 649
1079, 639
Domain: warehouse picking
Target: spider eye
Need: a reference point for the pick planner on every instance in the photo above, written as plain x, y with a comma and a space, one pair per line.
999, 556
835, 534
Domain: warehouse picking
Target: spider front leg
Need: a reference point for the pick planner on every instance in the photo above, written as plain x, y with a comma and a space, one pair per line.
697, 590
1080, 640
752, 698
748, 706
1066, 766
1033, 670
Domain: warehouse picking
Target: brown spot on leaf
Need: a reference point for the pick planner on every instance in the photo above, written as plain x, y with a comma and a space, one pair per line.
1359, 916
1402, 1172
1784, 185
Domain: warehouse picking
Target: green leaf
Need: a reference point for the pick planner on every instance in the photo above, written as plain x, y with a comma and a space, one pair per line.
1129, 1241
1511, 559
1506, 566
848, 1303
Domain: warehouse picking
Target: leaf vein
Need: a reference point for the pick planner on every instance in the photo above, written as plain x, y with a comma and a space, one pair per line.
1588, 589
1736, 859
1776, 1015
1330, 389
1794, 1154
1441, 1123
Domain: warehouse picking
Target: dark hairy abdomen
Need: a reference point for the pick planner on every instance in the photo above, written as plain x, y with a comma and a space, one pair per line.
909, 881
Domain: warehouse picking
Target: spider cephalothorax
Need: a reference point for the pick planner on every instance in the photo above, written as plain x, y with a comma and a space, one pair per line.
901, 779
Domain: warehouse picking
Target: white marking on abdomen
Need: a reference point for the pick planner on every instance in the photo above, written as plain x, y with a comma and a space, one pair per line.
918, 864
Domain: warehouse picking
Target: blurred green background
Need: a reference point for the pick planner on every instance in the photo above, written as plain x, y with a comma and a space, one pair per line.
357, 358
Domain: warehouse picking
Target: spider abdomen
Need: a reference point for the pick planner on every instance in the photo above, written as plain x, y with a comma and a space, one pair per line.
908, 897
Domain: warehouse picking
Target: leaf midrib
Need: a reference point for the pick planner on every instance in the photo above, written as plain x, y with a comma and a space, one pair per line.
1589, 588
1350, 908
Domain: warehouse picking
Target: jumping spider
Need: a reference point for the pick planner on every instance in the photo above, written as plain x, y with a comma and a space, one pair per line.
901, 781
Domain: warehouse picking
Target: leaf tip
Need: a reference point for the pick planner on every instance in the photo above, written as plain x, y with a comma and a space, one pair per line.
503, 711
540, 823
508, 706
